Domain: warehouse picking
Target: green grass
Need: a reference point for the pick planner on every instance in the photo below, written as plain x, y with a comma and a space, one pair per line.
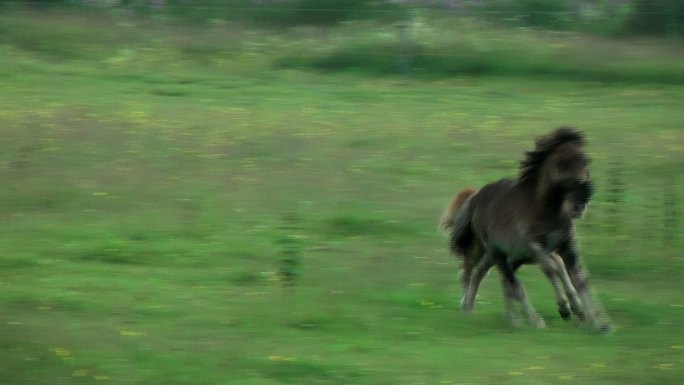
147, 190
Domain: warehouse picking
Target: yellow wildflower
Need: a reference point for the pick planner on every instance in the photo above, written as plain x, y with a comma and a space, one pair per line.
131, 333
60, 352
80, 373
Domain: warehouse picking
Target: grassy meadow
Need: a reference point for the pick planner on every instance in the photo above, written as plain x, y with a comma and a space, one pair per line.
222, 204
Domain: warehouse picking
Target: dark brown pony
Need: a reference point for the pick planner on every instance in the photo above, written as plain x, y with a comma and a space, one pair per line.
574, 205
528, 220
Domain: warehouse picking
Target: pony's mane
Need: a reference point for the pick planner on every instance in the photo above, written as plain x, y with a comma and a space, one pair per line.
544, 145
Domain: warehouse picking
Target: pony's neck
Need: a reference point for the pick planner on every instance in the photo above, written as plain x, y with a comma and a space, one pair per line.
547, 197
550, 197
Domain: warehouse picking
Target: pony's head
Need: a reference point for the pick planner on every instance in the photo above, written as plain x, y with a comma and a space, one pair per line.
558, 163
576, 201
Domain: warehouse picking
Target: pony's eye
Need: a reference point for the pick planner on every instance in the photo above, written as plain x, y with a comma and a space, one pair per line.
563, 165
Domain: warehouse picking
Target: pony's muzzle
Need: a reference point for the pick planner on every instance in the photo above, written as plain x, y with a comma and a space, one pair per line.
577, 209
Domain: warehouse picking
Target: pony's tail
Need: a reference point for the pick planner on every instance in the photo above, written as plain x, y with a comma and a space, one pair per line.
461, 235
455, 223
446, 221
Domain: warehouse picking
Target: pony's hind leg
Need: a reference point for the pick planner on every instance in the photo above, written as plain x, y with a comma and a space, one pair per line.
514, 291
470, 259
476, 273
509, 301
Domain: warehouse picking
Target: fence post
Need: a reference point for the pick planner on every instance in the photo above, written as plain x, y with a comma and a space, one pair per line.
611, 9
672, 24
289, 265
575, 8
404, 60
615, 191
669, 212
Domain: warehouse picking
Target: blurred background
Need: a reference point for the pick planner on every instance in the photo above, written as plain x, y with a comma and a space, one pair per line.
247, 192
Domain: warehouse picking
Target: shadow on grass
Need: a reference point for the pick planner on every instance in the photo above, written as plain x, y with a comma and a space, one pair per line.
303, 371
356, 225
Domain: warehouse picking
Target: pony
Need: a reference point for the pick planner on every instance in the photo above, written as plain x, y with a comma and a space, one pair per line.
529, 220
574, 205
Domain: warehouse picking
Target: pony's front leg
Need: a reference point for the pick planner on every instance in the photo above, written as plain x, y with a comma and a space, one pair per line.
579, 277
554, 268
551, 270
562, 274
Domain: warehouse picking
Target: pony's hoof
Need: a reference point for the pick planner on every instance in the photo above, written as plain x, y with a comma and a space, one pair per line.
565, 313
579, 314
517, 323
466, 307
538, 323
515, 320
606, 329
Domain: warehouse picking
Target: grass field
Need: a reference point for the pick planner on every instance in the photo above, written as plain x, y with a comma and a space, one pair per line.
156, 179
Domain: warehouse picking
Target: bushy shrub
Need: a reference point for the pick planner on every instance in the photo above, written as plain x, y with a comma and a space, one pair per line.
657, 17
282, 12
535, 13
329, 11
